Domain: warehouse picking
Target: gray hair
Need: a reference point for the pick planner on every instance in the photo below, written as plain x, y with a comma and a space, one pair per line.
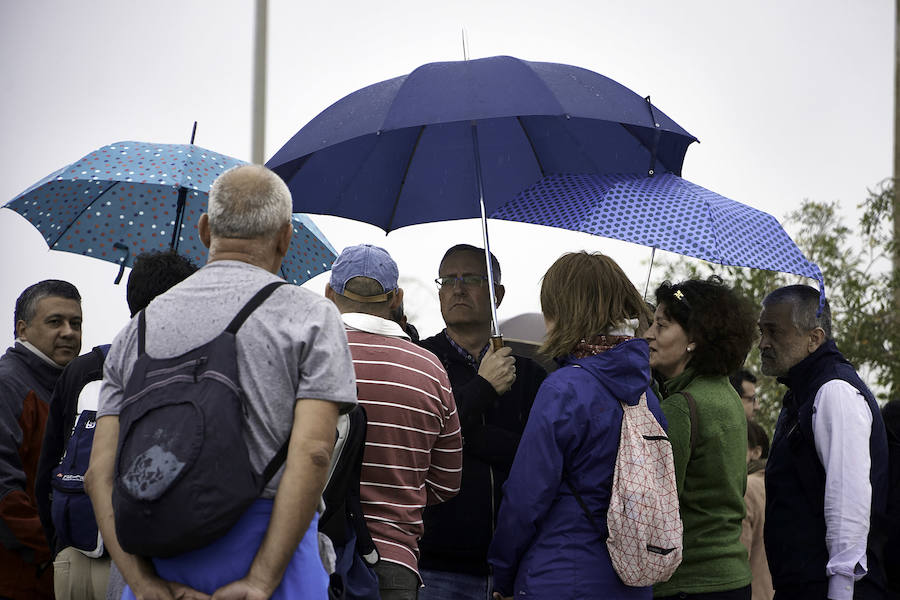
248, 201
804, 301
26, 303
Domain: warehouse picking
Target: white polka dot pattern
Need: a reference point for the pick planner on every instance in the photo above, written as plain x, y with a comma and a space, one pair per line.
124, 196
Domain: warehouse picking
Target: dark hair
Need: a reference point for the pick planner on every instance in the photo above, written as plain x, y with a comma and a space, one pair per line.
804, 301
757, 438
154, 273
26, 304
585, 295
495, 264
738, 378
721, 323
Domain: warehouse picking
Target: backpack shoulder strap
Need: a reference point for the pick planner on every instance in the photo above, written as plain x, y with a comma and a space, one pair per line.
692, 407
142, 331
252, 305
581, 503
275, 463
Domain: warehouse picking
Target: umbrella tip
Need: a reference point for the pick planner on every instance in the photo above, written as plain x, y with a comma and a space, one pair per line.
465, 44
193, 132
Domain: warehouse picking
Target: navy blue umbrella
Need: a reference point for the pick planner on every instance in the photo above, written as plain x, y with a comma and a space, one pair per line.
663, 211
411, 149
455, 140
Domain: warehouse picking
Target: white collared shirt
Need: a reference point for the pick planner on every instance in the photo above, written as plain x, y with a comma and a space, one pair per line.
373, 324
842, 427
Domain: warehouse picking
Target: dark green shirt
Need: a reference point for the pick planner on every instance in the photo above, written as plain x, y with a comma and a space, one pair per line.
711, 482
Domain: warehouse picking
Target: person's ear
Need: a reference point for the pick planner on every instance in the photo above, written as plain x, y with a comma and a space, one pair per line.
203, 230
283, 239
20, 329
755, 452
499, 292
816, 338
396, 299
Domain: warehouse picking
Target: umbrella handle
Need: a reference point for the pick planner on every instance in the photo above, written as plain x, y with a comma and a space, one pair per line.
121, 246
496, 342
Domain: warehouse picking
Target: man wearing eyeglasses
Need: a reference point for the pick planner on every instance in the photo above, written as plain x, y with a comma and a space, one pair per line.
744, 383
494, 391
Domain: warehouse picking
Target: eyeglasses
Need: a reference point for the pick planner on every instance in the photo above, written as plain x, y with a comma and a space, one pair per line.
469, 281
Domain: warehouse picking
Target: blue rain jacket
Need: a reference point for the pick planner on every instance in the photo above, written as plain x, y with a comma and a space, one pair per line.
544, 546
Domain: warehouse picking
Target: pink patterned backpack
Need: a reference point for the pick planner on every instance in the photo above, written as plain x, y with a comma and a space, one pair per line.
643, 518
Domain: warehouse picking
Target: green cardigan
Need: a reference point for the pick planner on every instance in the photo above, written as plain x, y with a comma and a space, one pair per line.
711, 483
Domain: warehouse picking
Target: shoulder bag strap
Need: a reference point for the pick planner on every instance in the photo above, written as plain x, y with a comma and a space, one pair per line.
142, 327
582, 504
252, 305
692, 407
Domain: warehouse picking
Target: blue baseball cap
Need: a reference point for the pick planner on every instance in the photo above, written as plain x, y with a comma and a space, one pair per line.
364, 260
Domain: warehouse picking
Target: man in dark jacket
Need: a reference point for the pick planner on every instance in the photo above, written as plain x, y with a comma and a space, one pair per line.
83, 573
48, 336
494, 391
826, 476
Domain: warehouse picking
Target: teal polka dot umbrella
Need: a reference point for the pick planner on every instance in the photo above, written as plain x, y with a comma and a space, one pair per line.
133, 197
662, 211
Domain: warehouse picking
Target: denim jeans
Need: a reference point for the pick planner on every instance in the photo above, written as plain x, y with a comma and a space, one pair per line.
445, 585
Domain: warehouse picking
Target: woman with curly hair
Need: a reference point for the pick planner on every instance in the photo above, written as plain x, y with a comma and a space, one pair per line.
544, 545
701, 332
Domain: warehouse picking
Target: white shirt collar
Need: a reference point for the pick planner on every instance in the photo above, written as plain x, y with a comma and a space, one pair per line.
372, 324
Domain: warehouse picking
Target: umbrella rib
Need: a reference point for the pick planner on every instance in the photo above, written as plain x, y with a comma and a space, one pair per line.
531, 144
649, 149
390, 223
78, 216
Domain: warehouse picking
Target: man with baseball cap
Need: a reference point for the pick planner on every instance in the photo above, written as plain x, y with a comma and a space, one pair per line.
413, 453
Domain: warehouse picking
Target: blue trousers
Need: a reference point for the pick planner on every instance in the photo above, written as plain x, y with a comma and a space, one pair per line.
228, 559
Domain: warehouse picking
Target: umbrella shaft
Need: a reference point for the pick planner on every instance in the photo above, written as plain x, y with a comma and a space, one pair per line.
495, 326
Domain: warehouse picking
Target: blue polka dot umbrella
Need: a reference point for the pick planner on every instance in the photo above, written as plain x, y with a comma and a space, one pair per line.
133, 197
663, 211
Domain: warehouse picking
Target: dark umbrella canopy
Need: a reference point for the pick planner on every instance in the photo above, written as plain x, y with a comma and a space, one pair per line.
665, 212
403, 151
131, 197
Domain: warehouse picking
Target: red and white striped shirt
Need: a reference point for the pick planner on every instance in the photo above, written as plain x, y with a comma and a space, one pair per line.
413, 453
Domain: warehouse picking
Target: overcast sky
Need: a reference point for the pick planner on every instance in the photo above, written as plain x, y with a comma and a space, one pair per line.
790, 100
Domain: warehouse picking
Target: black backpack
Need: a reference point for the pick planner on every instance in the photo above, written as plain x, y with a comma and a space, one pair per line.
183, 476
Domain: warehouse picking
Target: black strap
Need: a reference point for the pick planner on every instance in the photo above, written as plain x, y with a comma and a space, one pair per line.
232, 328
692, 407
582, 505
252, 305
275, 463
142, 326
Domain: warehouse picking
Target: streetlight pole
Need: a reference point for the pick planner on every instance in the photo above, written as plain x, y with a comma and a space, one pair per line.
258, 134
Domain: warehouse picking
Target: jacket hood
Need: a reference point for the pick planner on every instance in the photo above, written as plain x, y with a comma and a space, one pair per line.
623, 370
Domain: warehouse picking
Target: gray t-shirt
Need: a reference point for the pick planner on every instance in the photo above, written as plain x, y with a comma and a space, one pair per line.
293, 346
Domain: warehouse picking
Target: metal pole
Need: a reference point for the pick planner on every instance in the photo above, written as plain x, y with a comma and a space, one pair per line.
496, 338
895, 280
652, 254
258, 133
